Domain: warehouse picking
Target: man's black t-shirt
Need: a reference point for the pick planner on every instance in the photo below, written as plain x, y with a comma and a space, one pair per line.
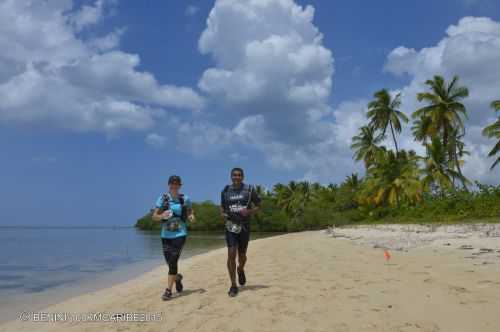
233, 200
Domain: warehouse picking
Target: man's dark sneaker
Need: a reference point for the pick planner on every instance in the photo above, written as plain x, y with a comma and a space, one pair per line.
242, 279
167, 295
178, 283
233, 291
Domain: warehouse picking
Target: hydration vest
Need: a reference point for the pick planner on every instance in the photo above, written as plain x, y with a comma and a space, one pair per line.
166, 205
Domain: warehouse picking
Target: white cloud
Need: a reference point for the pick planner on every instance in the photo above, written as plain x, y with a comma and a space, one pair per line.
202, 138
270, 64
49, 75
107, 42
87, 15
273, 78
471, 49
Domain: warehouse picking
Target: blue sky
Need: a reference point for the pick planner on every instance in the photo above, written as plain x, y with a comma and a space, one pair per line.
165, 100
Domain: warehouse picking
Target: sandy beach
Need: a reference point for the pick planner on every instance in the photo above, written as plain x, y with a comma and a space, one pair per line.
336, 280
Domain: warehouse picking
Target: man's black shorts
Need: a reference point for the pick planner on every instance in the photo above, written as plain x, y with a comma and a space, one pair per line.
238, 240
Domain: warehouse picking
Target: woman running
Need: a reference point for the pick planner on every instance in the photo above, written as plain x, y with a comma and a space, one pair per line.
173, 210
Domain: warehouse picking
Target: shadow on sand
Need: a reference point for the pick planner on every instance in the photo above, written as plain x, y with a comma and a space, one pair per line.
252, 288
187, 292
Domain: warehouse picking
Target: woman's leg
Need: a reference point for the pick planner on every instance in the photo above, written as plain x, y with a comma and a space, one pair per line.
172, 249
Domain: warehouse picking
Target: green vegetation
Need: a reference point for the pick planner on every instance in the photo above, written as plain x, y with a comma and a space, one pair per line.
493, 131
399, 186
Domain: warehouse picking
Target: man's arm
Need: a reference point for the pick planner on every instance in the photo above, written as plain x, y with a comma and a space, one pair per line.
222, 206
254, 205
255, 200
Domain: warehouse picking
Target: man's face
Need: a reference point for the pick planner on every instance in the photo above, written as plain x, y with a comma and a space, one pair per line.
236, 177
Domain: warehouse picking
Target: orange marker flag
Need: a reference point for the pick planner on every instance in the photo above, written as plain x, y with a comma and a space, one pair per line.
387, 255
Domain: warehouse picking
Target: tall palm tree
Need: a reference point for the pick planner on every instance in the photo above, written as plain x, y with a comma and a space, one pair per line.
365, 144
493, 131
456, 150
445, 110
384, 112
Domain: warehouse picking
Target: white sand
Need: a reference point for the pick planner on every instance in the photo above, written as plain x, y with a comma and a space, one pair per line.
307, 282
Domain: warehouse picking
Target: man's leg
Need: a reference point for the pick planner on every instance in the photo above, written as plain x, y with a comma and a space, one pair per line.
232, 252
231, 264
244, 237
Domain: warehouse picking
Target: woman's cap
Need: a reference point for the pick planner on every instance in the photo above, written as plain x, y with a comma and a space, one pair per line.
174, 178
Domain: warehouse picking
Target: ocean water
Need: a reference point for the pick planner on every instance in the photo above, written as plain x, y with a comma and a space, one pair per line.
43, 265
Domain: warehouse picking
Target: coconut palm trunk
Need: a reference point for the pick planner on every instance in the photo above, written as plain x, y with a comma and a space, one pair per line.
394, 138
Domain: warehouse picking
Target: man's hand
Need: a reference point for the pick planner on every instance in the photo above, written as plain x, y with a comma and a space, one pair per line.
191, 218
245, 212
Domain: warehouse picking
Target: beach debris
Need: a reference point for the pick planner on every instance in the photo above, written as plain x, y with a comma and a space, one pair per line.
466, 247
485, 250
447, 244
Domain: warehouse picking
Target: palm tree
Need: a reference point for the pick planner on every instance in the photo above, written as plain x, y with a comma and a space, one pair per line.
456, 149
352, 181
284, 197
393, 178
303, 195
293, 198
445, 112
493, 131
384, 112
365, 145
261, 191
421, 129
437, 171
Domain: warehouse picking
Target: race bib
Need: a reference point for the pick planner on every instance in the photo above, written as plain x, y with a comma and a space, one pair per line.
173, 224
233, 227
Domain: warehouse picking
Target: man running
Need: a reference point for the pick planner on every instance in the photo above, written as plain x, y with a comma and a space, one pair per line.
239, 202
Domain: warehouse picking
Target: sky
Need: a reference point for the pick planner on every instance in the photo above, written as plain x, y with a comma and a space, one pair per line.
102, 100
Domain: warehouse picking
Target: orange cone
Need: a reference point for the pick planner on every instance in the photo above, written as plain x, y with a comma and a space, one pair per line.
387, 255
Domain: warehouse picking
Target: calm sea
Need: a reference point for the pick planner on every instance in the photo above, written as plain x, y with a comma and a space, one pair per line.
44, 265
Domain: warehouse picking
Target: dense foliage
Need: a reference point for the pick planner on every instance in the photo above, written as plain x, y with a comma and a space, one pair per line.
399, 186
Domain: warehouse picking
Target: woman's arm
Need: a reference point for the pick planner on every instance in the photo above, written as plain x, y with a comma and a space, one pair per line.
190, 214
157, 216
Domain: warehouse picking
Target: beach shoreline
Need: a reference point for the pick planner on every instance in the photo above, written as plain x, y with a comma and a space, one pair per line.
309, 281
